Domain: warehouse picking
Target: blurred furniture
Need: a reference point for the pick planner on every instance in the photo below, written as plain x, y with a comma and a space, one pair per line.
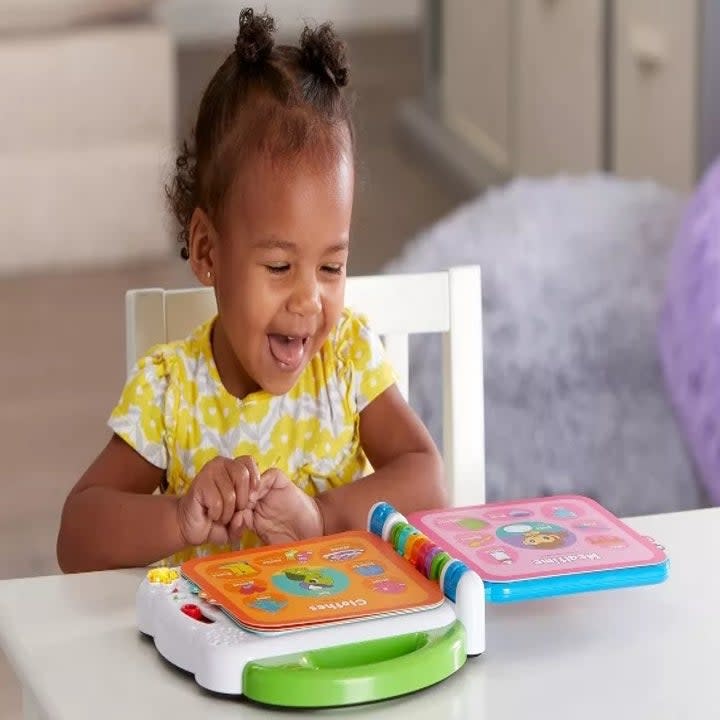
87, 97
536, 87
574, 273
445, 303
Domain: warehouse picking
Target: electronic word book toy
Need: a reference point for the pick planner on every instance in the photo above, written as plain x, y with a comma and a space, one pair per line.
366, 615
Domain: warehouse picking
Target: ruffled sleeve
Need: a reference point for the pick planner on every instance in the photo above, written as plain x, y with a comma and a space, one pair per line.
364, 352
141, 416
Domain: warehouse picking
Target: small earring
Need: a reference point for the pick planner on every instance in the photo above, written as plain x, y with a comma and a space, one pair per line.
209, 275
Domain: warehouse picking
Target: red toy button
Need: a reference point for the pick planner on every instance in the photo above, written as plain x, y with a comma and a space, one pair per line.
195, 613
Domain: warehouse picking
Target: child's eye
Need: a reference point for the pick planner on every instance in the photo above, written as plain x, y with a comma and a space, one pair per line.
333, 269
278, 268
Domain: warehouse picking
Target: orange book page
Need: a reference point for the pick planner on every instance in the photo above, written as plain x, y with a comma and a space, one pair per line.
340, 577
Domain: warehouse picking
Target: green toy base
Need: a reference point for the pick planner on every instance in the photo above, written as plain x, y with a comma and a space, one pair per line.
357, 673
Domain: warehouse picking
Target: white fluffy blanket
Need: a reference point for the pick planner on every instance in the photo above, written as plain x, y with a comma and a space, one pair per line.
573, 271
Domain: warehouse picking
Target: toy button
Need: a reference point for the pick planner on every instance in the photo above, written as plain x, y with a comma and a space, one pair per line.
429, 557
379, 514
437, 564
193, 611
162, 575
421, 555
406, 532
412, 546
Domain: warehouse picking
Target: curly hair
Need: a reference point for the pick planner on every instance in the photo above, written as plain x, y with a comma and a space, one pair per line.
278, 100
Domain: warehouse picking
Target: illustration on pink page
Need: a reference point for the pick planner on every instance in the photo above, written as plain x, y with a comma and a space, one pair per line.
539, 537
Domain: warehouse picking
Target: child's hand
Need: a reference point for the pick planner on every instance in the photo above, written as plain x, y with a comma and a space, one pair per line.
218, 492
280, 512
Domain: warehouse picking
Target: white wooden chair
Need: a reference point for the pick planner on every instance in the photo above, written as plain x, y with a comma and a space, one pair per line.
397, 306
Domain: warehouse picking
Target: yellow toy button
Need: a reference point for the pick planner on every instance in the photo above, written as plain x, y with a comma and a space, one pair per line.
162, 575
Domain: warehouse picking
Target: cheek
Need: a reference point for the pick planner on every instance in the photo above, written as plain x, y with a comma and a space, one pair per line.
334, 303
244, 296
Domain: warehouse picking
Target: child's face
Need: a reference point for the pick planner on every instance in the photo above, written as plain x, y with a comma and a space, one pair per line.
279, 267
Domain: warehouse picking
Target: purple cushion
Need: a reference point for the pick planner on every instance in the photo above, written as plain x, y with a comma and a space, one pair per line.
689, 331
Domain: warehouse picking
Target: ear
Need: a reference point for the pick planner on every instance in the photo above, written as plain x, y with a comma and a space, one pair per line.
201, 247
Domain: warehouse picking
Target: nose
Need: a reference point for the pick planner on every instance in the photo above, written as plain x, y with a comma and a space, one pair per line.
305, 297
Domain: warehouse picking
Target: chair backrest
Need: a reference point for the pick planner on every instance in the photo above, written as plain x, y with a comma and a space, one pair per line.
397, 306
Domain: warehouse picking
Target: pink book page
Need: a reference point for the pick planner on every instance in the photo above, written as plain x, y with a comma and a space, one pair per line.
538, 537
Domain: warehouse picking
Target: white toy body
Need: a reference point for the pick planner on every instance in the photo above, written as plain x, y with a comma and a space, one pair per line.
216, 652
200, 638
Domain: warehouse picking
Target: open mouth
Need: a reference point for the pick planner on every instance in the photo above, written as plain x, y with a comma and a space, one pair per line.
287, 351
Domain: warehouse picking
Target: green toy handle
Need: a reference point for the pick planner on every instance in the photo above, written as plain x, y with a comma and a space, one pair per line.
357, 673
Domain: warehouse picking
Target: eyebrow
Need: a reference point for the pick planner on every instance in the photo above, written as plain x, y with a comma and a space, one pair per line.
274, 243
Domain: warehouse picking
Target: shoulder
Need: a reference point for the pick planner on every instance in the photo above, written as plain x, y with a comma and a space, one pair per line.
145, 416
360, 352
174, 360
351, 333
356, 343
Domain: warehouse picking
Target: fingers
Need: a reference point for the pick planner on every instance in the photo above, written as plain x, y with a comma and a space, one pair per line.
223, 498
214, 491
246, 478
242, 520
272, 479
208, 497
218, 534
191, 519
252, 467
226, 489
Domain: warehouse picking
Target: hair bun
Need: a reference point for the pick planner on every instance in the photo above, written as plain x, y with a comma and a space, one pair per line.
255, 37
323, 53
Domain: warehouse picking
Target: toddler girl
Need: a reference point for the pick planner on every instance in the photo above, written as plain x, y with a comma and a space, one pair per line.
278, 419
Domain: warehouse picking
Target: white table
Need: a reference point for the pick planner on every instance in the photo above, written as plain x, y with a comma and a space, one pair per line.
642, 653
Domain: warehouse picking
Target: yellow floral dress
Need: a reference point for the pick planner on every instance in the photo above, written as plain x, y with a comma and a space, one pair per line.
175, 412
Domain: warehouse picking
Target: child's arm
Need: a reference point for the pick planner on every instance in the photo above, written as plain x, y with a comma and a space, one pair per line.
408, 467
111, 518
